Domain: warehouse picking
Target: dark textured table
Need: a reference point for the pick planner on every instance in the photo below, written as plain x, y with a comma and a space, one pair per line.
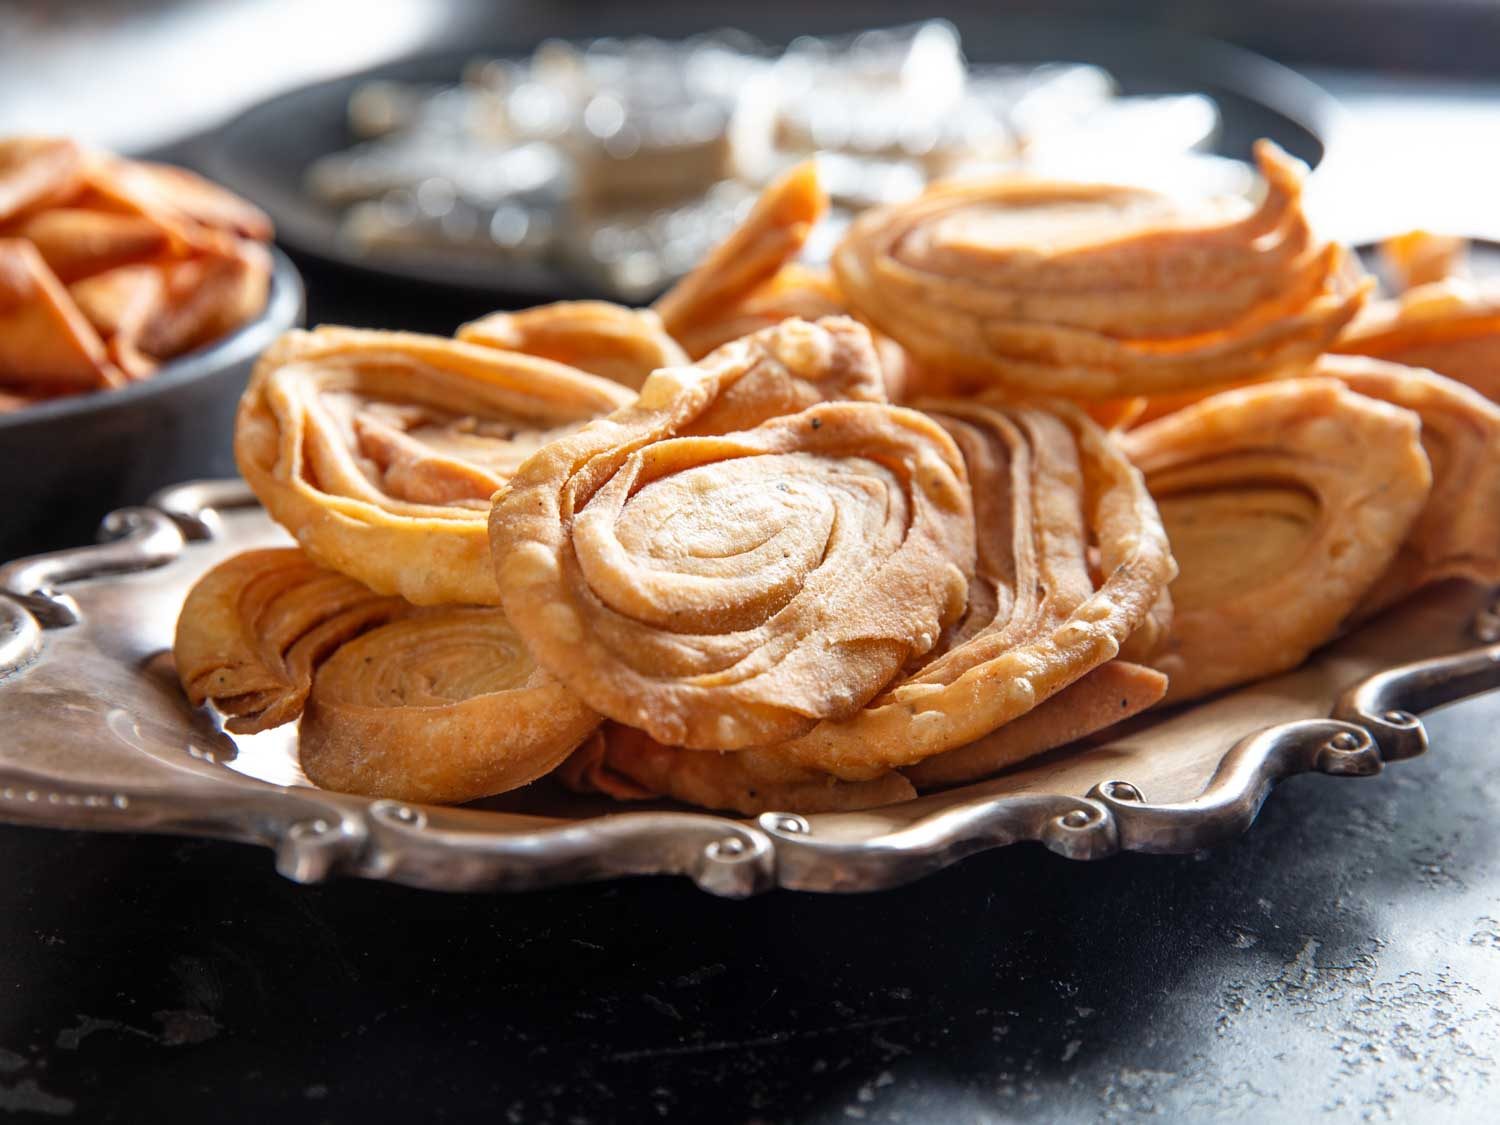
1341, 961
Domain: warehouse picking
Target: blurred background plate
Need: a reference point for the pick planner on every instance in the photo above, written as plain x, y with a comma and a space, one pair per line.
265, 153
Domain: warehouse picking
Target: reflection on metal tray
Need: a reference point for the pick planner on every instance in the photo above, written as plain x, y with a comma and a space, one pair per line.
609, 168
98, 735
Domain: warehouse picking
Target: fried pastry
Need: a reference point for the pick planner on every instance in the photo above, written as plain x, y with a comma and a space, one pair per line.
1419, 257
379, 451
1096, 291
205, 297
108, 267
77, 242
188, 197
769, 238
720, 589
1458, 533
36, 172
794, 290
1050, 489
1284, 502
443, 706
806, 293
120, 303
44, 339
1110, 694
611, 341
1451, 327
254, 629
440, 705
629, 765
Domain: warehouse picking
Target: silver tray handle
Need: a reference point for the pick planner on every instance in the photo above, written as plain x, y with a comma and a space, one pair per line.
131, 539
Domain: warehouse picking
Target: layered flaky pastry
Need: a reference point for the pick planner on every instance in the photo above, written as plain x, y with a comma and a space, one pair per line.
441, 705
795, 290
1450, 326
1458, 533
1096, 291
613, 342
1072, 560
380, 451
254, 629
769, 238
445, 705
1284, 503
630, 765
723, 564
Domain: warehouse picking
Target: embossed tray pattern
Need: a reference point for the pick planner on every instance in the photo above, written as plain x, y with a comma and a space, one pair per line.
95, 734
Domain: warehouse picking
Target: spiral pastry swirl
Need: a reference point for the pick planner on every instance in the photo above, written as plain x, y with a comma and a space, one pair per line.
1284, 503
1072, 561
444, 706
380, 451
255, 628
722, 564
424, 704
1097, 291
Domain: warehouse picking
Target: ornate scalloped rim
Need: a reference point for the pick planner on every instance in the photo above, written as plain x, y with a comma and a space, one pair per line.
317, 834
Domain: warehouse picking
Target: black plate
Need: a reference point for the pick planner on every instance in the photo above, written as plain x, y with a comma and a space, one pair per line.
68, 462
264, 153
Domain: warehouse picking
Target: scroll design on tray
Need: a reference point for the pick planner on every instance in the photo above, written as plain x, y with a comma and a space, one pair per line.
20, 637
132, 539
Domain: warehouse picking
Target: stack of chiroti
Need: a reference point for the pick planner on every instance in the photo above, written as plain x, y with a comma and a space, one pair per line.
814, 540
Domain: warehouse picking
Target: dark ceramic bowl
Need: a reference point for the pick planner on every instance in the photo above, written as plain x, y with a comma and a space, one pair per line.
65, 463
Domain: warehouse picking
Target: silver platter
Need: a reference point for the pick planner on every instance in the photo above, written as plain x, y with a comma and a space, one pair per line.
95, 733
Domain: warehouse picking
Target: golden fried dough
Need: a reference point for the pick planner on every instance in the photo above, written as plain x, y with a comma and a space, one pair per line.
1049, 489
187, 196
379, 451
1096, 291
416, 704
254, 628
120, 303
769, 238
722, 590
1451, 327
1419, 257
1458, 533
1284, 503
629, 765
44, 339
207, 296
1109, 694
613, 342
444, 706
109, 267
36, 172
77, 242
793, 291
